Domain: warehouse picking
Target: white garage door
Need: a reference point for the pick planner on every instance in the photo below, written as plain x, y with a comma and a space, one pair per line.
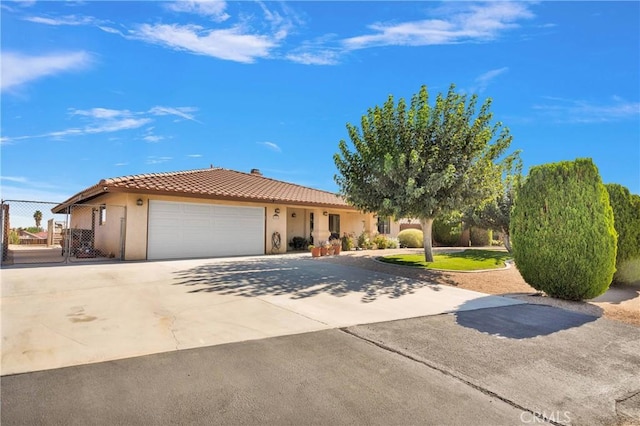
183, 230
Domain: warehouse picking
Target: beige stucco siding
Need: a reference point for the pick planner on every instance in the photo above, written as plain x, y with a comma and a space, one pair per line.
106, 235
136, 222
296, 226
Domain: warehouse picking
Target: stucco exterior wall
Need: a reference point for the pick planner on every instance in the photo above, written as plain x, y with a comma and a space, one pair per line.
276, 223
296, 225
106, 235
395, 228
136, 222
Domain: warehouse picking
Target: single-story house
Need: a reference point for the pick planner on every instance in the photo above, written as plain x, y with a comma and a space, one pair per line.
207, 213
32, 238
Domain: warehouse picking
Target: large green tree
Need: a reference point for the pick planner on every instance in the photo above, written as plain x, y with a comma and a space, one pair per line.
496, 213
422, 160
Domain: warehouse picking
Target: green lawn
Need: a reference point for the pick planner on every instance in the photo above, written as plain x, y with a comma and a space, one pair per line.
468, 260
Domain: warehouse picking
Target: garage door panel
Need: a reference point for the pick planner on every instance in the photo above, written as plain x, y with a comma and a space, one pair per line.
183, 230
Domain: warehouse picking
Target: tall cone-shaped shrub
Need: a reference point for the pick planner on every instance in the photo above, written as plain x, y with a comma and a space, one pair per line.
564, 241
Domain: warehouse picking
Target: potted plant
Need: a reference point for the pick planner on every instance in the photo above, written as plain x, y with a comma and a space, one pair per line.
324, 248
337, 245
315, 251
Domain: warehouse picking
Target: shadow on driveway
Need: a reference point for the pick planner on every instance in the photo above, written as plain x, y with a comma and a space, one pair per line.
299, 278
520, 321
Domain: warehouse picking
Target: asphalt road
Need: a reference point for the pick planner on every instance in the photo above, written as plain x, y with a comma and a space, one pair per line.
499, 366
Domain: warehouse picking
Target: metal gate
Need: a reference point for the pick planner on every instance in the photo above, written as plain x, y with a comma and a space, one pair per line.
32, 233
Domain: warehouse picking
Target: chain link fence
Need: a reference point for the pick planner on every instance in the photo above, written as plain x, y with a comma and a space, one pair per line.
37, 232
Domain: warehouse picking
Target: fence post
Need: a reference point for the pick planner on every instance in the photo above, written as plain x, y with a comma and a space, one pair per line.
5, 231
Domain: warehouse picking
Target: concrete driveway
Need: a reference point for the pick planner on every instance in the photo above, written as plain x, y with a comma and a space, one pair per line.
61, 316
512, 365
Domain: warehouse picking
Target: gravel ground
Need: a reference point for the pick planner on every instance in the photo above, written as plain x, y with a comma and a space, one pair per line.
620, 303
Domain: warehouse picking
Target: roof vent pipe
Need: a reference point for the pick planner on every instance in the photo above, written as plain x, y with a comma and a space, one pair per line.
256, 172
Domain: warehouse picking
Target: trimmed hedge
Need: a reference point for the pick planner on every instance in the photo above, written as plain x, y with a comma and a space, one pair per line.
564, 241
626, 215
446, 231
481, 237
412, 238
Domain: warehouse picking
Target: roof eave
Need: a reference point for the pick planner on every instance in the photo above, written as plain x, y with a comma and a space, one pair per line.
80, 197
114, 189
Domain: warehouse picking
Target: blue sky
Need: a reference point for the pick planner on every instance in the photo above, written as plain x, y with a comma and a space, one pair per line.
92, 90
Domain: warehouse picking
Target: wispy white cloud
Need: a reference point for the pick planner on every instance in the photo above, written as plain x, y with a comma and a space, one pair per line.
23, 188
153, 138
183, 112
121, 164
240, 42
245, 41
117, 125
281, 23
194, 155
231, 44
158, 160
101, 113
73, 20
19, 69
457, 23
316, 52
272, 146
580, 111
22, 3
482, 81
106, 120
110, 30
212, 9
18, 179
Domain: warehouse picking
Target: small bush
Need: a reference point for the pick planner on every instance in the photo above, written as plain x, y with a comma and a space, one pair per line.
564, 242
481, 237
626, 220
348, 242
392, 243
380, 241
365, 241
412, 238
447, 230
14, 237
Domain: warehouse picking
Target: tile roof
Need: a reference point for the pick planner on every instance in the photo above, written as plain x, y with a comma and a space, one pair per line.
213, 183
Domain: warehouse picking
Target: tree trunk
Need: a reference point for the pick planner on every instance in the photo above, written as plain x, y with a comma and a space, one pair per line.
426, 239
507, 242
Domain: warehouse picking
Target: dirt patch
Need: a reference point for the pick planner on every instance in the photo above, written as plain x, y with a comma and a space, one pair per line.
620, 303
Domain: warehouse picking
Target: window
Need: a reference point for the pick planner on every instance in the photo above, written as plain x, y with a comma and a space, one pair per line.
384, 225
103, 214
334, 225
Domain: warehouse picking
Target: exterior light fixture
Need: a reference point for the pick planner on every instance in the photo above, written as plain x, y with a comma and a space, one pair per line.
276, 214
293, 215
325, 214
139, 202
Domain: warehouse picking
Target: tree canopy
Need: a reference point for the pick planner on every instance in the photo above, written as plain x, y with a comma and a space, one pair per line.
38, 218
496, 213
422, 160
